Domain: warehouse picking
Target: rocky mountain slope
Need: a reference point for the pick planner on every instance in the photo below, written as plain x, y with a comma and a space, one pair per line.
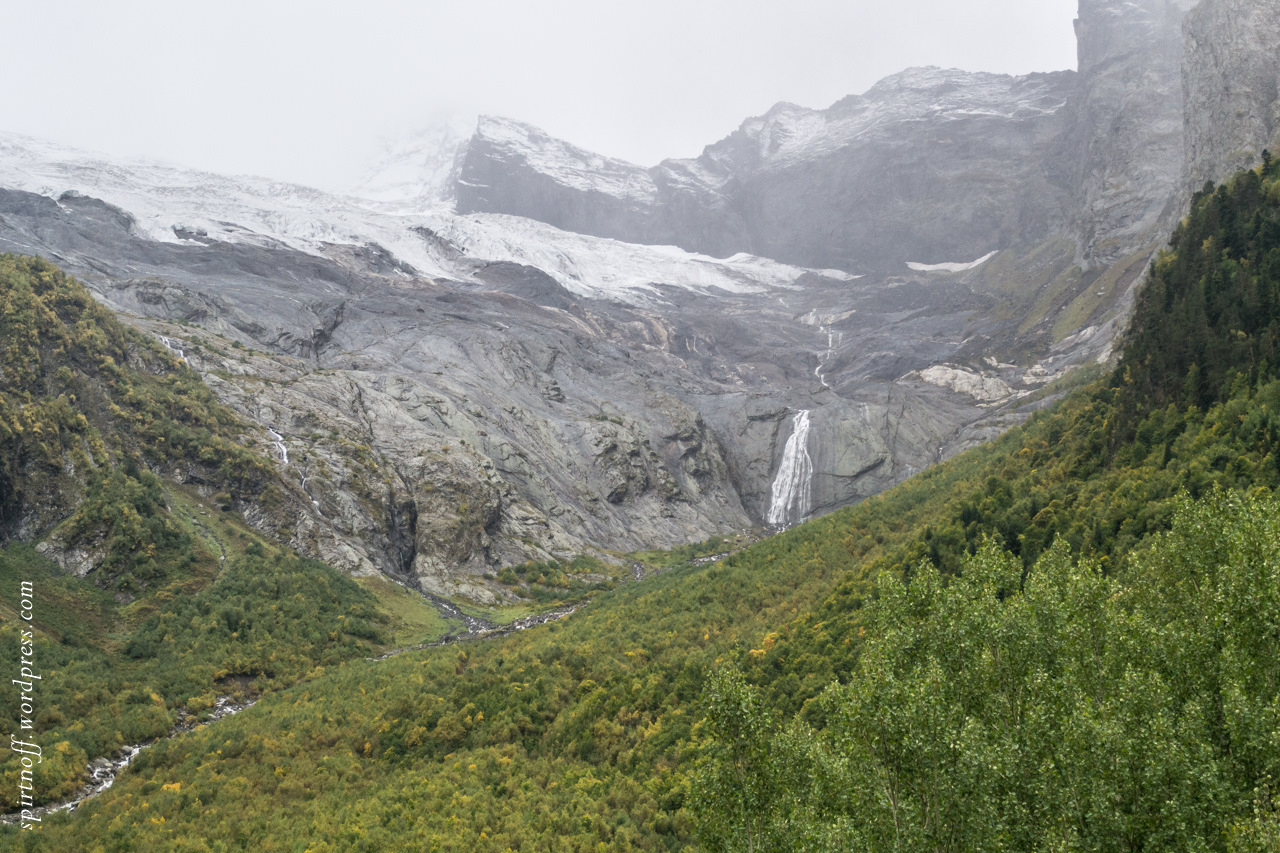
447, 392
929, 165
1231, 80
438, 428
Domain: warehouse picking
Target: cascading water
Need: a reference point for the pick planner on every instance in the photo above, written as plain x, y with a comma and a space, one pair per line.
172, 346
834, 339
790, 499
280, 447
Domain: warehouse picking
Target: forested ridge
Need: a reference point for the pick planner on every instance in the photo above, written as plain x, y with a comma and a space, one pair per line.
1063, 640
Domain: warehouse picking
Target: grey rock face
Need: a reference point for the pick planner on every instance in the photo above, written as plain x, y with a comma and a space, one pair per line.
1126, 128
436, 430
1231, 81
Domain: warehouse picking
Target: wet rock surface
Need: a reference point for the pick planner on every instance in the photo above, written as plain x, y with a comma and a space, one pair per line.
436, 430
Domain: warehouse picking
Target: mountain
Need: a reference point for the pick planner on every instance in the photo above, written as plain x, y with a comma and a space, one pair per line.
929, 165
1066, 636
455, 392
1061, 639
862, 184
644, 396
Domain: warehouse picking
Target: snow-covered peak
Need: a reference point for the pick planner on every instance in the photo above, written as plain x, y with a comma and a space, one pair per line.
420, 169
950, 92
567, 164
788, 133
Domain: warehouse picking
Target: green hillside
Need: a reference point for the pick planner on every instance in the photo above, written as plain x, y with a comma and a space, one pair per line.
1064, 640
181, 602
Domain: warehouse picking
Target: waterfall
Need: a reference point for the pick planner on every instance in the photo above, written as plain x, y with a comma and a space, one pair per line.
834, 339
172, 346
790, 499
279, 442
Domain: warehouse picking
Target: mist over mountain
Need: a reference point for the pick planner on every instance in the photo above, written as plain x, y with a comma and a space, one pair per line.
897, 475
505, 322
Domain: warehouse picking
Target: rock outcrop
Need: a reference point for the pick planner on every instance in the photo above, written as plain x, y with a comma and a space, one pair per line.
1126, 136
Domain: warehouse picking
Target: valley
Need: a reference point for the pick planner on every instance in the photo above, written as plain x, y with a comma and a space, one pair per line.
898, 475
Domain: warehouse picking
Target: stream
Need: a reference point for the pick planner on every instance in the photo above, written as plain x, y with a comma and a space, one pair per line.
103, 771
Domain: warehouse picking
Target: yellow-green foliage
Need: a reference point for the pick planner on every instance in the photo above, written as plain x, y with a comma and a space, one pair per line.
1057, 707
413, 619
264, 622
85, 406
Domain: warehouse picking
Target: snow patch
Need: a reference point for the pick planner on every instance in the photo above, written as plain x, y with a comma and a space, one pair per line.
952, 267
814, 318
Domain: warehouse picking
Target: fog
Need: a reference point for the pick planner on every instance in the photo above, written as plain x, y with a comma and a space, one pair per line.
309, 91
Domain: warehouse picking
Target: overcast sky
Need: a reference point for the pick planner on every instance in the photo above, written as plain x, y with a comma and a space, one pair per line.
306, 91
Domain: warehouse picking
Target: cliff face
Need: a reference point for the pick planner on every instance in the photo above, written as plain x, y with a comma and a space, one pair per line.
1126, 135
1231, 83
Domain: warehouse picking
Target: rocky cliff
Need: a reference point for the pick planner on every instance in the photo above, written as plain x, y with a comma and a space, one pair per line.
1125, 136
1231, 82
